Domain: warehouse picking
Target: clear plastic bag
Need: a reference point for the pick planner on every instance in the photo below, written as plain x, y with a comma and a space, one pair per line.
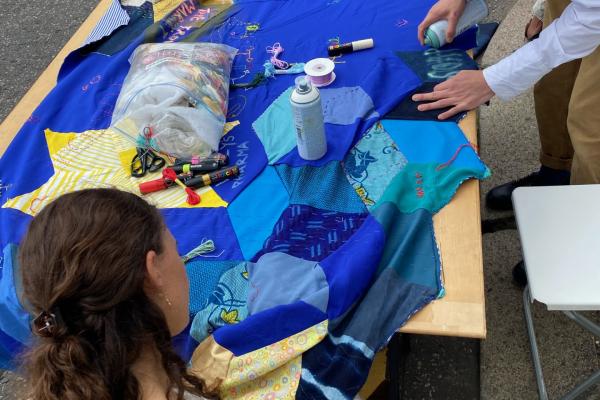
179, 91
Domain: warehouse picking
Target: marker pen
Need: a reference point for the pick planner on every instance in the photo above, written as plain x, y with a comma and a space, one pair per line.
339, 49
201, 166
222, 159
213, 177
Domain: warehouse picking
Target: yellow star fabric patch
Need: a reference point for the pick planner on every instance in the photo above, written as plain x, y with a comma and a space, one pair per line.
99, 158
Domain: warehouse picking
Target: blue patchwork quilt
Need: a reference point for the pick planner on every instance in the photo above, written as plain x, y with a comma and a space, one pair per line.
316, 263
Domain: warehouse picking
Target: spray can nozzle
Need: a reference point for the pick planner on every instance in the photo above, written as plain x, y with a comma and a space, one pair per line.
303, 84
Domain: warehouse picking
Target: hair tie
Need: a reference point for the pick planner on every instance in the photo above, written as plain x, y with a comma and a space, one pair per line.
46, 324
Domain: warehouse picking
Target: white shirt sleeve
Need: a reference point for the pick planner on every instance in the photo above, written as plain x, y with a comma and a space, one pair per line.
574, 35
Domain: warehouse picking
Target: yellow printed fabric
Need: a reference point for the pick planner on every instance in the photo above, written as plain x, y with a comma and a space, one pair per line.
98, 158
271, 372
162, 8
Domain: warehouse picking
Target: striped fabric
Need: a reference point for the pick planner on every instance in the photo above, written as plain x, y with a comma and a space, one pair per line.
114, 18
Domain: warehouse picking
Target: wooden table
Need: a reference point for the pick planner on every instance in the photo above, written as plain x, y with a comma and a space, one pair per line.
457, 226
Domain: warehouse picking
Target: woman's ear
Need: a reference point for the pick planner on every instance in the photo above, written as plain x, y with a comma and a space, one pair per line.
154, 272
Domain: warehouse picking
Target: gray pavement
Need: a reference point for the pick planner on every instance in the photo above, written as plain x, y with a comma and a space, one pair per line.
32, 32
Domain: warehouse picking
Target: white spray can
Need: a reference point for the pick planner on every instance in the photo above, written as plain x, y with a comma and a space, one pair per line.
475, 11
308, 120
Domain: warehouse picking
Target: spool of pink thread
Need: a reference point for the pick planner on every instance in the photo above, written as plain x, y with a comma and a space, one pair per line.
320, 71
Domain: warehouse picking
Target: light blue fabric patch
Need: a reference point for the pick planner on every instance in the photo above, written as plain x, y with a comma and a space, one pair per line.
204, 277
426, 142
256, 210
278, 279
372, 164
14, 320
275, 128
226, 305
343, 106
323, 187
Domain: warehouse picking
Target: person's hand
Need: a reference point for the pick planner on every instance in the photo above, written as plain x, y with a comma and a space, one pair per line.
464, 91
533, 28
450, 10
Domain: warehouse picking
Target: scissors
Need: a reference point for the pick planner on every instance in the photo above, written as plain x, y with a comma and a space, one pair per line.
145, 161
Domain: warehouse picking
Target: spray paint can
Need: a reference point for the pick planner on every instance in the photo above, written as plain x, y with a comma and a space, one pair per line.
475, 11
308, 120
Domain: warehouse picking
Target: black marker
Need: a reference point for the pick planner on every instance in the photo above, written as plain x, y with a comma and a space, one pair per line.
213, 177
222, 159
201, 166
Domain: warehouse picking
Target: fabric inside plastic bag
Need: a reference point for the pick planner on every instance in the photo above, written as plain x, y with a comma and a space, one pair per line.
179, 91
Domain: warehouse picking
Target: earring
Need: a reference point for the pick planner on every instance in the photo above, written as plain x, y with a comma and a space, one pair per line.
166, 299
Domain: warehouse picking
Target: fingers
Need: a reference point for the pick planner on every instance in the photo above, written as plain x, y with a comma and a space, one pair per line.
421, 33
452, 21
443, 103
447, 84
435, 95
451, 112
430, 18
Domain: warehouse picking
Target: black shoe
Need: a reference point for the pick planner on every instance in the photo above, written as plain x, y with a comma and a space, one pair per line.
499, 197
519, 275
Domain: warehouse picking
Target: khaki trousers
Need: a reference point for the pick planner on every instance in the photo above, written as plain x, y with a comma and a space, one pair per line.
567, 108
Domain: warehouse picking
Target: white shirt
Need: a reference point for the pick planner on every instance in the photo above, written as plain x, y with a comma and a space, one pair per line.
574, 35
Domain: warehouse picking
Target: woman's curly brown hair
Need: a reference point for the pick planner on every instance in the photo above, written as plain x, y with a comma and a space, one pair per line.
83, 258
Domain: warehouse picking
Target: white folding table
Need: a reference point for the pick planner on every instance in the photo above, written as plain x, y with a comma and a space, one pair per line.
559, 228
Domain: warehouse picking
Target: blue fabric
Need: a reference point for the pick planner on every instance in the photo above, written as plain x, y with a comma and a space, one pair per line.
14, 320
372, 164
244, 150
89, 84
226, 305
275, 127
342, 106
407, 109
311, 233
305, 186
268, 327
184, 343
256, 210
278, 279
341, 137
485, 32
433, 65
332, 371
395, 300
432, 142
204, 277
192, 226
337, 367
13, 227
9, 348
355, 258
410, 237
